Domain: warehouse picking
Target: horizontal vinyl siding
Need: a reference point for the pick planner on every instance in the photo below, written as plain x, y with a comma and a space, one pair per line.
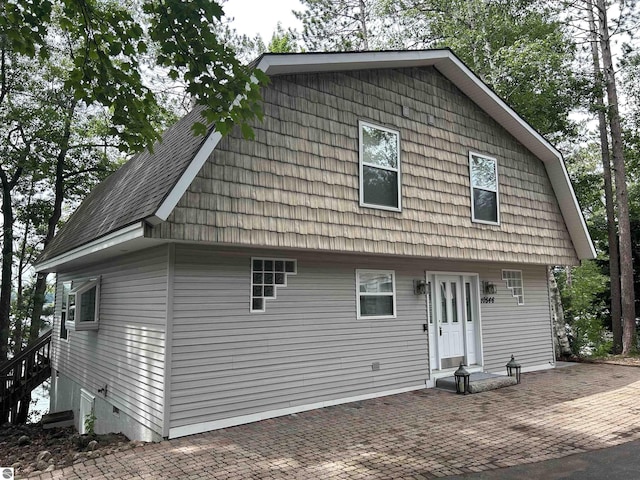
520, 330
127, 352
306, 348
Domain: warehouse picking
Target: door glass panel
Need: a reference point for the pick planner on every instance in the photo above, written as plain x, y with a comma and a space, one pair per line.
454, 307
467, 294
429, 304
443, 301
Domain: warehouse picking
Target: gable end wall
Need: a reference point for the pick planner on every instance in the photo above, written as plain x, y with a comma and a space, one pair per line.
296, 185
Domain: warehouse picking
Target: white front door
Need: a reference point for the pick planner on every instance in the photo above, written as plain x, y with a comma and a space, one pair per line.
448, 316
452, 310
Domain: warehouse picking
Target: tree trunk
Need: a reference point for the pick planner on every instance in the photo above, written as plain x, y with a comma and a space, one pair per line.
41, 279
624, 226
7, 263
561, 340
363, 25
614, 256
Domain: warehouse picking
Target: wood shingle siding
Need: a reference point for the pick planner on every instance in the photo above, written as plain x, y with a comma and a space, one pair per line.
127, 351
296, 185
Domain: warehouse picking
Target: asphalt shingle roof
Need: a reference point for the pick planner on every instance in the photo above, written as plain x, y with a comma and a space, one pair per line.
132, 193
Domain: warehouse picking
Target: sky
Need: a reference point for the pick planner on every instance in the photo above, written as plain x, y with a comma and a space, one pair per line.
261, 16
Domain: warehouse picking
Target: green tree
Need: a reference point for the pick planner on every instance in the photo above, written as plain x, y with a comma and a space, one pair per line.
282, 41
342, 25
619, 168
110, 45
520, 48
584, 304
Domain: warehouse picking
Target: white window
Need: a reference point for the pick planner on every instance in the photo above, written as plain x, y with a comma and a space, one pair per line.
376, 293
513, 278
83, 304
267, 274
485, 205
379, 167
66, 288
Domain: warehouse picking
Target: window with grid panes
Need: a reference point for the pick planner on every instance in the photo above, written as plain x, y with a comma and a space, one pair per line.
267, 274
513, 278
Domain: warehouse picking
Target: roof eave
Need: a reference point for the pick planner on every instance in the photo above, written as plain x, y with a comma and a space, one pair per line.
125, 239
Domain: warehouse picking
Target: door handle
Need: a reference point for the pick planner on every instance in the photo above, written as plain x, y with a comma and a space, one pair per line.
440, 331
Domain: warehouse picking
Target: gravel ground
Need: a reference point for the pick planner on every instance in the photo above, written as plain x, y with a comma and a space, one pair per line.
29, 448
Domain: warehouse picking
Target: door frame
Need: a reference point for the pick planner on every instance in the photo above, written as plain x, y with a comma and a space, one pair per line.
434, 359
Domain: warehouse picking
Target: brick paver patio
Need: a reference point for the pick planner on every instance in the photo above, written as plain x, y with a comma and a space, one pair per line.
417, 435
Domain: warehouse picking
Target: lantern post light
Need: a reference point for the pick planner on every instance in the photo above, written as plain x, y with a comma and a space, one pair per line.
514, 369
462, 379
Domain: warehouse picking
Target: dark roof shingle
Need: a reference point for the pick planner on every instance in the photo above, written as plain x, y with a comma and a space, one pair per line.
132, 193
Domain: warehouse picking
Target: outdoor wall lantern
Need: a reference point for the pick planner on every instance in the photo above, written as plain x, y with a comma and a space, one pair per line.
513, 369
419, 287
462, 379
488, 288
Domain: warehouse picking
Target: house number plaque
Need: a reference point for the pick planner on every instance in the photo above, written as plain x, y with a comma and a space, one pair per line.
487, 300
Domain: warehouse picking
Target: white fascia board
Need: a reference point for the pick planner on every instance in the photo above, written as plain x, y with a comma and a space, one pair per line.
274, 64
170, 202
570, 209
125, 234
207, 148
490, 102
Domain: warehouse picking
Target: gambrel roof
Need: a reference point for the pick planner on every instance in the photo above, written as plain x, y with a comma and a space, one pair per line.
147, 189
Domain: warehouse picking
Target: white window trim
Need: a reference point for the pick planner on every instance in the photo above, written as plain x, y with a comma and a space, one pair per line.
471, 188
362, 163
76, 324
375, 294
520, 298
63, 309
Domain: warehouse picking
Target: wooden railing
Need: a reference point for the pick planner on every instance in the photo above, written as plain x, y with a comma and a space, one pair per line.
24, 372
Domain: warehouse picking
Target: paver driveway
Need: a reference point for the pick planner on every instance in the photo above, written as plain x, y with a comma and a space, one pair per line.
424, 434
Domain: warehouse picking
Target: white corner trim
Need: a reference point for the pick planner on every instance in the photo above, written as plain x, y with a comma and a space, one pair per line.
123, 235
169, 203
256, 417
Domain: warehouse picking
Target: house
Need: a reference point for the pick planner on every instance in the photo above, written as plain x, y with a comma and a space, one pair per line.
392, 218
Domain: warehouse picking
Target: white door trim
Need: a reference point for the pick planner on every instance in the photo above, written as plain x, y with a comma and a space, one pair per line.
434, 359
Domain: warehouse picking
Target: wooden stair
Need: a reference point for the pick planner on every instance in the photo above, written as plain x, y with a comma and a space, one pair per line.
24, 372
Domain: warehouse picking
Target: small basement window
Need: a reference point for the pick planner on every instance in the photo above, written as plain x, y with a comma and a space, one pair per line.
379, 167
83, 304
267, 274
513, 278
376, 293
484, 189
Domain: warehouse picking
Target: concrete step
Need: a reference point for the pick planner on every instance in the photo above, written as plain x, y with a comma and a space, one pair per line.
58, 419
478, 382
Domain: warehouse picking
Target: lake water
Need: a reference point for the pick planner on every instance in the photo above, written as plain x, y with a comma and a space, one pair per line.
39, 402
